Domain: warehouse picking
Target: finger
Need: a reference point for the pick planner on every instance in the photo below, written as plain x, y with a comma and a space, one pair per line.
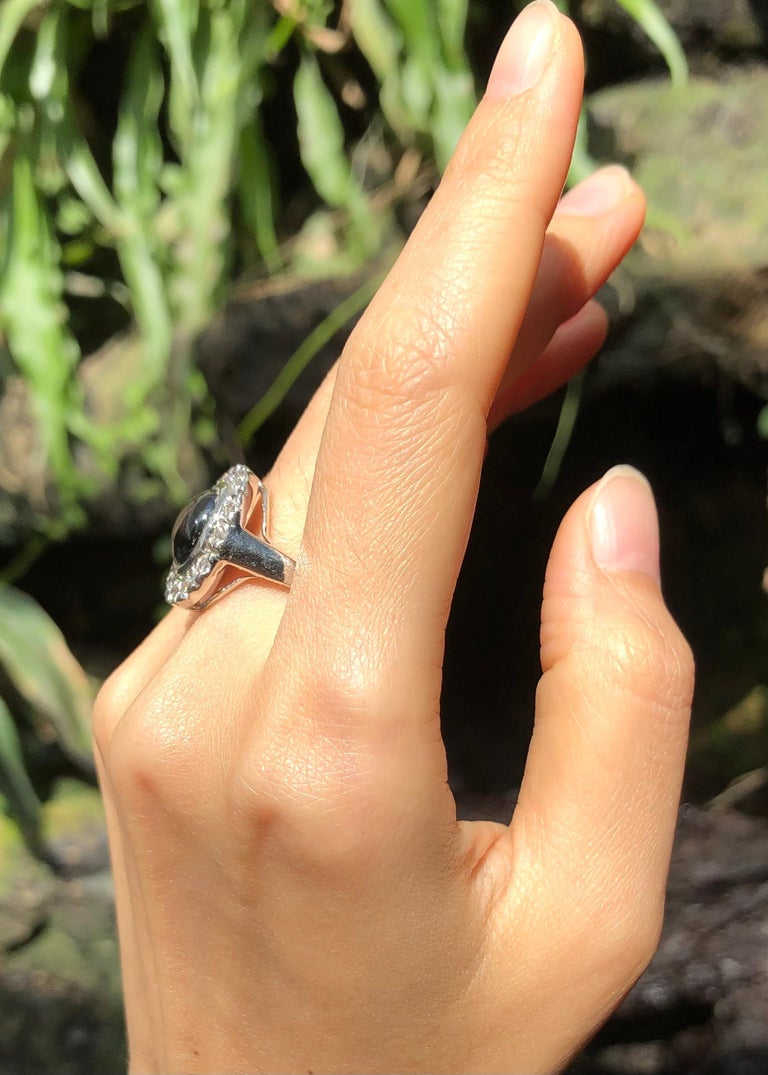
573, 345
290, 479
400, 457
592, 229
594, 226
599, 799
122, 687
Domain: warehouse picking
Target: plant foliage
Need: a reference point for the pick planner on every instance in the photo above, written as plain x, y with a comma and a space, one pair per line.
47, 704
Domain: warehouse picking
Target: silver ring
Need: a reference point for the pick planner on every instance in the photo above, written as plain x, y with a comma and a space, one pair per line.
226, 526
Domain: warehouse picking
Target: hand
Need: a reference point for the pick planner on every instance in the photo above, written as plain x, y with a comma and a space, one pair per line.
294, 891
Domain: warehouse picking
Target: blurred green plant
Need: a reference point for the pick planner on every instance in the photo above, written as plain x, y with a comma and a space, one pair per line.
45, 703
652, 21
155, 217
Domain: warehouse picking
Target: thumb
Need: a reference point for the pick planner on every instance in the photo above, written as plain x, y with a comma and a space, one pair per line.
599, 799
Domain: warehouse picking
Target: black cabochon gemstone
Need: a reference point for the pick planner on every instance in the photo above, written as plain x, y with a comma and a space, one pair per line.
190, 525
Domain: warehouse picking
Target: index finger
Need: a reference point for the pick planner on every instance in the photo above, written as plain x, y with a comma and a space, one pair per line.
399, 464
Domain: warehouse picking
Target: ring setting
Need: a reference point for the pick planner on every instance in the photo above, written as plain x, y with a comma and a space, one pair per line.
214, 533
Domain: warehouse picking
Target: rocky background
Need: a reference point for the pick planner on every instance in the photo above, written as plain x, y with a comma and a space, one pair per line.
677, 392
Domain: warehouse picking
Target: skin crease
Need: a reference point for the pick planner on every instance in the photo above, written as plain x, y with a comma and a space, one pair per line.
294, 892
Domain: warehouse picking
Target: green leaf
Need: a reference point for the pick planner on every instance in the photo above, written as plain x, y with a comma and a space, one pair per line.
650, 18
32, 316
47, 54
582, 164
84, 175
256, 194
303, 355
177, 21
321, 145
15, 785
569, 412
376, 36
137, 161
452, 20
417, 23
452, 110
44, 672
321, 135
762, 423
12, 15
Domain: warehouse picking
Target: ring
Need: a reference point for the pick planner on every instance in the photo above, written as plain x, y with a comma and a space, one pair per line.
215, 532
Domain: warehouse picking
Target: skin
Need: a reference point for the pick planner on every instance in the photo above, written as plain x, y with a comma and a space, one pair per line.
294, 891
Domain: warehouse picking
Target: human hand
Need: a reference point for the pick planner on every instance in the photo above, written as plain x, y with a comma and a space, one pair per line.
294, 892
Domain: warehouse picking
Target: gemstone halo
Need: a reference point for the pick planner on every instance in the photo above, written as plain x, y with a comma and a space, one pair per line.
201, 530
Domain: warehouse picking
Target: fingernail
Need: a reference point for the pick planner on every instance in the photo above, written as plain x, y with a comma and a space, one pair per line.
599, 193
525, 51
623, 524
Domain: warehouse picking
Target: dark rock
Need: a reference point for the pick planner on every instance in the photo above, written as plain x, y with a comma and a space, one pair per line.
702, 1003
694, 293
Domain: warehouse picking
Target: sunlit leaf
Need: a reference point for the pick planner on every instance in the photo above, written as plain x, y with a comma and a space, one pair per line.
177, 20
32, 314
44, 66
256, 194
416, 21
15, 786
452, 110
452, 20
137, 157
12, 15
43, 671
321, 135
377, 36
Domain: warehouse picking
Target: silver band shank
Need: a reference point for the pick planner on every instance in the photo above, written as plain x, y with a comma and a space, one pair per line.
244, 550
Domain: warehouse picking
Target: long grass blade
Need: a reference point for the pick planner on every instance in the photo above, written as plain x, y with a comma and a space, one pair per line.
303, 355
651, 19
12, 16
566, 422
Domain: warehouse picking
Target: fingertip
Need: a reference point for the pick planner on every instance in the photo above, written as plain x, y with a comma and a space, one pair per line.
600, 192
574, 344
623, 525
526, 50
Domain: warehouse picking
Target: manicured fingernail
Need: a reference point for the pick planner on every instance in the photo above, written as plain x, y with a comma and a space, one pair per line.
525, 51
599, 193
623, 524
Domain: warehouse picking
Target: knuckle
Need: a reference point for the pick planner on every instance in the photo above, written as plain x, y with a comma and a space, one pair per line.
401, 367
315, 805
652, 661
153, 757
491, 165
108, 708
491, 148
616, 942
629, 947
313, 779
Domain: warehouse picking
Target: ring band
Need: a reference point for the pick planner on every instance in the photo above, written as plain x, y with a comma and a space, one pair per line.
214, 532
